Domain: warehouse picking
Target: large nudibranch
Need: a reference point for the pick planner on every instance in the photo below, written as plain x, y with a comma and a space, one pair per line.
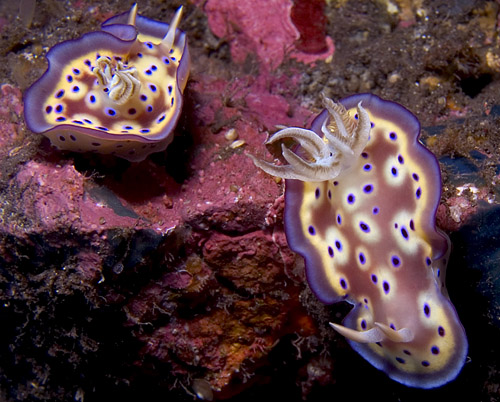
368, 235
116, 91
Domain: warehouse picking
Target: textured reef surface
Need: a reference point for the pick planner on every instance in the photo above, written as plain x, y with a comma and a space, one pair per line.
171, 277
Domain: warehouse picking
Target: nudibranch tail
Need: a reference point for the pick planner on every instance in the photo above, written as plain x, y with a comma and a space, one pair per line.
116, 91
341, 144
368, 236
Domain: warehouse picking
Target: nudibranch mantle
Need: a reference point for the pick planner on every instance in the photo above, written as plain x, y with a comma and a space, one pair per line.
116, 91
368, 236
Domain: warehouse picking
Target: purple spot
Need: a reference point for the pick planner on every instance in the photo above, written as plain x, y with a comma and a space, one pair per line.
364, 155
412, 225
143, 97
61, 118
427, 310
145, 130
329, 194
441, 331
149, 45
148, 72
161, 119
62, 138
330, 251
154, 68
132, 111
368, 188
171, 51
366, 301
374, 278
128, 127
170, 89
415, 176
311, 230
362, 258
404, 232
428, 261
418, 193
96, 144
77, 122
407, 352
435, 350
363, 325
338, 244
106, 90
343, 283
131, 152
400, 159
48, 109
87, 121
367, 167
317, 193
379, 344
400, 360
356, 117
172, 102
152, 87
69, 78
87, 62
92, 99
386, 287
139, 54
335, 183
392, 327
351, 198
396, 261
72, 138
395, 225
339, 219
393, 136
60, 93
102, 128
173, 58
438, 273
394, 171
375, 210
76, 71
149, 108
364, 227
59, 108
111, 112
425, 363
76, 88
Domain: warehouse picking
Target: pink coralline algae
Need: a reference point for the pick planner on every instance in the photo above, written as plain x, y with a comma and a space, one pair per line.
264, 28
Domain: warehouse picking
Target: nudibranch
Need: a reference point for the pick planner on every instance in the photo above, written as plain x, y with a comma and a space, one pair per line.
360, 202
115, 91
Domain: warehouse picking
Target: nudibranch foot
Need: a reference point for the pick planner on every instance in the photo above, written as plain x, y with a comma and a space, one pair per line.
342, 142
117, 91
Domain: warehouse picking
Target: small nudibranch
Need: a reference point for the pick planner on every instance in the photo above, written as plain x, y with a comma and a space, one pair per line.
368, 235
116, 91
